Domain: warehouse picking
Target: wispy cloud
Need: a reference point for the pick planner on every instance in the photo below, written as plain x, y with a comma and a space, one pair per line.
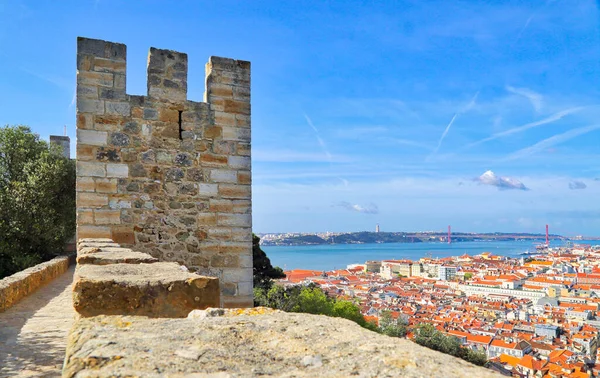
535, 98
56, 80
577, 185
447, 129
502, 183
552, 141
369, 209
408, 142
319, 139
288, 156
324, 147
515, 130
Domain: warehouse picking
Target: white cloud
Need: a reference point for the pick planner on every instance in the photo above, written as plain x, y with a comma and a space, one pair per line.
369, 209
577, 185
502, 183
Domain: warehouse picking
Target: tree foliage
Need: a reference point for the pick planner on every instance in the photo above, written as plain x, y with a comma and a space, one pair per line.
37, 200
389, 326
264, 272
309, 299
427, 336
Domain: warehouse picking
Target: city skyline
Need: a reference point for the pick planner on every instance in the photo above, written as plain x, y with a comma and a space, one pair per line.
411, 115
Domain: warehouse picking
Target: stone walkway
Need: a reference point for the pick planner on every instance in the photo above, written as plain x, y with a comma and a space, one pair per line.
33, 332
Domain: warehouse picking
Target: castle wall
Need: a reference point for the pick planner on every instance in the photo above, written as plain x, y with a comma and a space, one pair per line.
168, 175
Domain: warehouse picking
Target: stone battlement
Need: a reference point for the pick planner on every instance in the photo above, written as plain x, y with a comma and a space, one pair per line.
112, 280
166, 174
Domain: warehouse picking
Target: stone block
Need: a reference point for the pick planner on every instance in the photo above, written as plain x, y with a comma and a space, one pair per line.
85, 184
106, 185
107, 217
85, 216
241, 234
109, 65
101, 79
239, 162
118, 108
236, 107
236, 133
238, 302
208, 190
153, 290
117, 170
244, 177
235, 220
236, 247
123, 235
90, 169
207, 219
92, 137
245, 288
237, 275
91, 200
122, 256
235, 191
223, 175
84, 231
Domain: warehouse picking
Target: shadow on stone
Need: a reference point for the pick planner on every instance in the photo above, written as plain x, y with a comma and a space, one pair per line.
33, 332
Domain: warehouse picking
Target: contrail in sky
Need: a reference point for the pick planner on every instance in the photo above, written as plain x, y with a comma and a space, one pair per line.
462, 111
552, 118
552, 141
323, 147
319, 139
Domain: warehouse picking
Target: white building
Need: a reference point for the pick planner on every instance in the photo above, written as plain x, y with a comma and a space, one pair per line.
446, 273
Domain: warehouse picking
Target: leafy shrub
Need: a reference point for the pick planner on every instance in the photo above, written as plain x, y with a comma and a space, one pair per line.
427, 336
309, 299
37, 200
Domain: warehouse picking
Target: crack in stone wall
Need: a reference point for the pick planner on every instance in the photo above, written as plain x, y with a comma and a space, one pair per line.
166, 174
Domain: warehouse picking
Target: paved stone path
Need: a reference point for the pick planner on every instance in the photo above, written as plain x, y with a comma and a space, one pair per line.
33, 332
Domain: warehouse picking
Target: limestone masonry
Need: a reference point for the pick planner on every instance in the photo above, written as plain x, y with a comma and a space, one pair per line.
168, 175
111, 280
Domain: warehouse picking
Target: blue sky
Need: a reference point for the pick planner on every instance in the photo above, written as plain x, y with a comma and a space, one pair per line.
410, 114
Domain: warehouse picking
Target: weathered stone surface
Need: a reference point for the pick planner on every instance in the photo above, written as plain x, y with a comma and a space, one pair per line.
248, 343
154, 290
121, 256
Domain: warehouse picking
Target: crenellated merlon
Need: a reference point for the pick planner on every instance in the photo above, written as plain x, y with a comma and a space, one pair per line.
103, 64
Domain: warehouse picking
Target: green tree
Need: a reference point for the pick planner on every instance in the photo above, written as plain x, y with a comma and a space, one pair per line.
389, 326
264, 272
427, 336
309, 299
468, 276
37, 200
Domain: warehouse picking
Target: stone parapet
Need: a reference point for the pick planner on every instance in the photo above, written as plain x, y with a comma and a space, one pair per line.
111, 280
248, 343
19, 285
166, 174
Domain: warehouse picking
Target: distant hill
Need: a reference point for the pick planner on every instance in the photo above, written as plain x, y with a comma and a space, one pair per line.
365, 237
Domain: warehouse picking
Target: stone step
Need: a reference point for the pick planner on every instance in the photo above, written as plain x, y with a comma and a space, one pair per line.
158, 290
104, 256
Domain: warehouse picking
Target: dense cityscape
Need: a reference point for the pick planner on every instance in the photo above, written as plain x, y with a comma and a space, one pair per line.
532, 316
